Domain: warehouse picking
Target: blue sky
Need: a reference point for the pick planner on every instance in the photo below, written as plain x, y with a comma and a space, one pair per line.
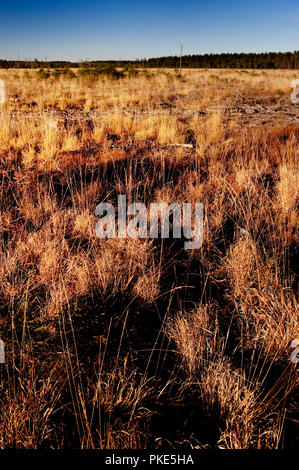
95, 29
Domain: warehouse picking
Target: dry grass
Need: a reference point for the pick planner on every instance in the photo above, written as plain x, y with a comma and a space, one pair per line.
104, 339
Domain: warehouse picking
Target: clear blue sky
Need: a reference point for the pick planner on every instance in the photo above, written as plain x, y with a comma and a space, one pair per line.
95, 29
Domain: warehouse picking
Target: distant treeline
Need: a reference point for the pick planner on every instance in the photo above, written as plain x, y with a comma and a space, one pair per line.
267, 60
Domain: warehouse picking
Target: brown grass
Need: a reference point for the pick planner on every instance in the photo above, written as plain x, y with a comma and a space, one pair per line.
107, 339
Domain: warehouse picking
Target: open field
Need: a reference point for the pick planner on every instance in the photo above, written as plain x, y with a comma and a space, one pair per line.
138, 343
